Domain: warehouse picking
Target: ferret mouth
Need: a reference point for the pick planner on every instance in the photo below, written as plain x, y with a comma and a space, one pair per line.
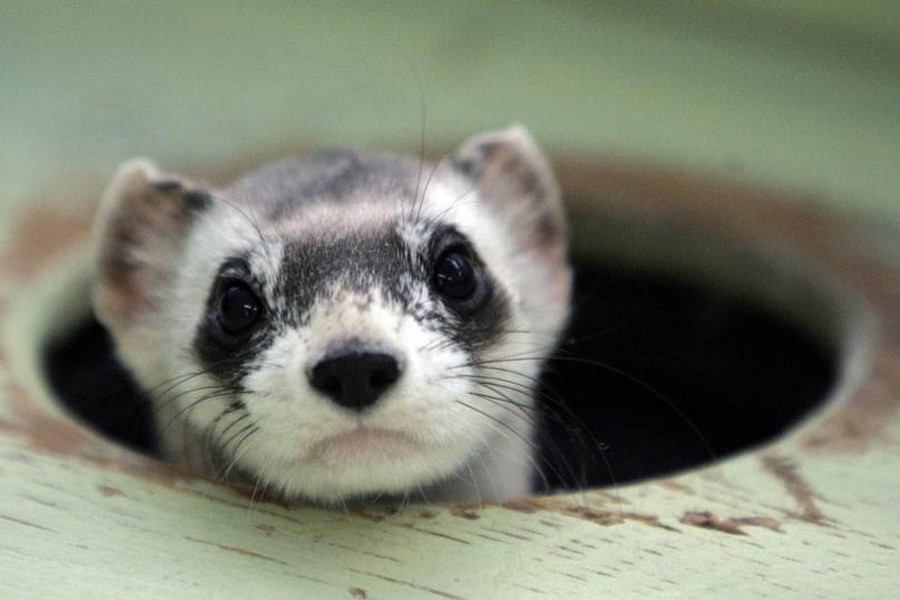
365, 445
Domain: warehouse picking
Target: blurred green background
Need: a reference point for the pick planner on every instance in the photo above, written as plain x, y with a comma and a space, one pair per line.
803, 94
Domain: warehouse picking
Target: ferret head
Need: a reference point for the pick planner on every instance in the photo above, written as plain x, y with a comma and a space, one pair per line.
341, 324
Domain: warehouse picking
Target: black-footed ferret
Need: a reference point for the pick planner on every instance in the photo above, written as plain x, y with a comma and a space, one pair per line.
343, 324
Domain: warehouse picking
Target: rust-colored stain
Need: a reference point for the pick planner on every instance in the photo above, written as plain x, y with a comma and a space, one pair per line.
707, 520
465, 511
366, 512
44, 431
862, 423
674, 486
255, 495
109, 491
609, 517
787, 472
56, 435
541, 504
41, 235
588, 513
523, 505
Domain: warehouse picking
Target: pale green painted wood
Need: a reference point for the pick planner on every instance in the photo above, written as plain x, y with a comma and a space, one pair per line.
801, 93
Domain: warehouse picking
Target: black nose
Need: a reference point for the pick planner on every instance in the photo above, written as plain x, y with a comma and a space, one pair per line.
355, 380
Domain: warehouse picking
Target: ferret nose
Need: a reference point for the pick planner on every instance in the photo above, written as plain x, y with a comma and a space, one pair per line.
355, 380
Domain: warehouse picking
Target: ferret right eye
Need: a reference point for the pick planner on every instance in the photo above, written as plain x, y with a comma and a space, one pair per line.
239, 309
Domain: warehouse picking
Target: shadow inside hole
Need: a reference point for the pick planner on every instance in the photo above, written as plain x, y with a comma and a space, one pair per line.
656, 375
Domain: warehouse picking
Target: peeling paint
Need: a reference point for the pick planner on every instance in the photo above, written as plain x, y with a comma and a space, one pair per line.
706, 520
588, 513
786, 472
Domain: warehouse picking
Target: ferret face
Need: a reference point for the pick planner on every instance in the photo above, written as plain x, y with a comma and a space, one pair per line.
343, 324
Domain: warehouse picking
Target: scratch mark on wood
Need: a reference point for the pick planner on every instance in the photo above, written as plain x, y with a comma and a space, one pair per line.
570, 575
437, 534
529, 589
509, 534
490, 537
548, 523
27, 523
40, 501
407, 584
347, 548
237, 550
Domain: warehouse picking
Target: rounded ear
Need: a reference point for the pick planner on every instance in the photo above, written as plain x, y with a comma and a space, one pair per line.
138, 232
512, 174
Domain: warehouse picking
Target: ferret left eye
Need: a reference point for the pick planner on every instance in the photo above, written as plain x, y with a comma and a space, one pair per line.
455, 276
239, 309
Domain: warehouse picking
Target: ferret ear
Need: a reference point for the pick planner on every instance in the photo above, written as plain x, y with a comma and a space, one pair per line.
138, 231
511, 173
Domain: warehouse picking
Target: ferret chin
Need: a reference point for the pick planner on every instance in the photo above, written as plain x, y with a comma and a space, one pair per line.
343, 324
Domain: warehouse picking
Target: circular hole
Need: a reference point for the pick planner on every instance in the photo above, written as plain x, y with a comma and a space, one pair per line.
660, 375
681, 350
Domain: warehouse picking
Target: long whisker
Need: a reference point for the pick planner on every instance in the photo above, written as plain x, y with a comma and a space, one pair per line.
506, 430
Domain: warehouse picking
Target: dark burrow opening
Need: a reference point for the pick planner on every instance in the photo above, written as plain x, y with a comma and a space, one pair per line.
656, 375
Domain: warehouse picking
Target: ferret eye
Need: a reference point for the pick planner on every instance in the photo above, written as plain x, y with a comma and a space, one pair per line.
239, 309
455, 276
